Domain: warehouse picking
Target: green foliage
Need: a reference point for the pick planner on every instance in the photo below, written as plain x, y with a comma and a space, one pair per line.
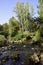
1, 27
40, 19
13, 27
4, 30
26, 33
21, 35
2, 40
25, 25
37, 36
31, 10
18, 36
19, 9
41, 30
40, 8
23, 14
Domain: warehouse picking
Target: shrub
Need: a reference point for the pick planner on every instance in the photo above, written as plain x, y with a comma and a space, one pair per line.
2, 40
21, 35
18, 36
37, 36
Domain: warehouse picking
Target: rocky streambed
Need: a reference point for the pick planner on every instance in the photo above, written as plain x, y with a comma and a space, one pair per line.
18, 54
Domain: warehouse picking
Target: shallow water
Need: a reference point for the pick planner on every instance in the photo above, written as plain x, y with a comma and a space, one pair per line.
23, 51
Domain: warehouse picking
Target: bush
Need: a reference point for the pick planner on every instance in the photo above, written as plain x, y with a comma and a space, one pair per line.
26, 33
21, 35
37, 36
2, 40
18, 36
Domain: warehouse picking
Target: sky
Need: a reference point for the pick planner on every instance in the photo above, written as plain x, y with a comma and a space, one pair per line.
7, 6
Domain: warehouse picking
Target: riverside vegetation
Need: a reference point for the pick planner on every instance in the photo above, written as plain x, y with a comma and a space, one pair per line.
25, 30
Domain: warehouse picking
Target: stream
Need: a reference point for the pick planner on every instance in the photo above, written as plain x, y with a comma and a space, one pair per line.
23, 50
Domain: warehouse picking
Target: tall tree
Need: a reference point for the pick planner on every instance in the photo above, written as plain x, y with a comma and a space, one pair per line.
31, 10
22, 12
40, 8
41, 11
19, 11
40, 18
13, 27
